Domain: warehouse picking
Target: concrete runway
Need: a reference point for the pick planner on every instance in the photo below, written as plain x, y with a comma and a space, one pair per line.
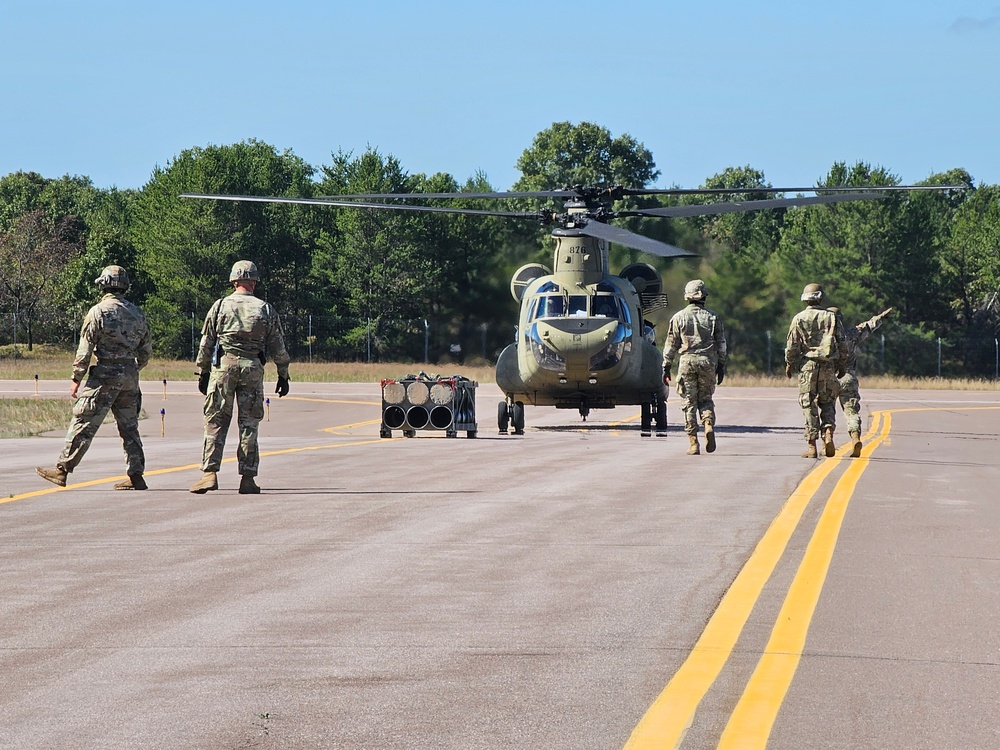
576, 587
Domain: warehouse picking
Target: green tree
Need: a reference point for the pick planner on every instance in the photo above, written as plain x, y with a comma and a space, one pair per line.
185, 248
382, 271
752, 234
108, 242
850, 247
971, 275
32, 256
585, 154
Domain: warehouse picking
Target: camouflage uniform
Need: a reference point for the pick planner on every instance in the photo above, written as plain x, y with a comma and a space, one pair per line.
244, 326
698, 335
116, 331
817, 349
850, 395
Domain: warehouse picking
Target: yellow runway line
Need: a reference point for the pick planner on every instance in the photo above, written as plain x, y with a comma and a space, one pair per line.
750, 723
668, 719
188, 467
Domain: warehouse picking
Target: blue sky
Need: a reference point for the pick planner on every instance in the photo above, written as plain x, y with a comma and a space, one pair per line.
112, 89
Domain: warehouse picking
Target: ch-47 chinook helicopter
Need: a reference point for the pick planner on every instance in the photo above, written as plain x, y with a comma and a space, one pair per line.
582, 339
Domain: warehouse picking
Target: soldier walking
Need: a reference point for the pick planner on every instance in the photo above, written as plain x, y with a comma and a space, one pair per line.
699, 337
116, 331
817, 350
240, 333
850, 394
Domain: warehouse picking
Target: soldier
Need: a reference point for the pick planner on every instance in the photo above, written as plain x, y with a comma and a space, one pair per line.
850, 395
239, 334
817, 349
116, 331
697, 334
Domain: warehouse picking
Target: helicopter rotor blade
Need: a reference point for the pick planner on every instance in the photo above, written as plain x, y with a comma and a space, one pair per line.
360, 204
456, 196
813, 189
711, 209
627, 238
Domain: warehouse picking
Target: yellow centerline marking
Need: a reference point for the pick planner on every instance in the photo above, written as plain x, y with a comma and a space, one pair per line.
751, 721
336, 430
668, 719
333, 401
188, 467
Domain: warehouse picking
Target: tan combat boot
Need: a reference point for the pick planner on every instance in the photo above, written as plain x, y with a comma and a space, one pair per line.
709, 438
828, 446
856, 439
248, 486
811, 450
208, 481
694, 450
56, 475
134, 482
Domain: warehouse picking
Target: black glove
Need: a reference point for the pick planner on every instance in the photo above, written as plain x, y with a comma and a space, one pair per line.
203, 382
720, 373
282, 388
788, 370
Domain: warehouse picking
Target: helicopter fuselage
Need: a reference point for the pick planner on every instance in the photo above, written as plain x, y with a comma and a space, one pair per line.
580, 341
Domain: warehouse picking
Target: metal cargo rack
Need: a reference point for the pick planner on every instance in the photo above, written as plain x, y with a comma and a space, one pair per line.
425, 402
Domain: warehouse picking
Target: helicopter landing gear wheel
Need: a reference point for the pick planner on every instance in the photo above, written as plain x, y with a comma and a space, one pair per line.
584, 409
503, 417
646, 419
661, 418
517, 417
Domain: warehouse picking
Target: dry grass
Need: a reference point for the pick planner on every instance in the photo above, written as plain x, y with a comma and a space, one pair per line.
23, 417
873, 381
50, 363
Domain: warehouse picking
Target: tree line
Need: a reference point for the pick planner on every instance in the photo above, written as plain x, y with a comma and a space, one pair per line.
382, 275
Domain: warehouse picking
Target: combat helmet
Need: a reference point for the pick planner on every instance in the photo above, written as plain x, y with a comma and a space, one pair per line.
813, 294
244, 270
694, 291
113, 278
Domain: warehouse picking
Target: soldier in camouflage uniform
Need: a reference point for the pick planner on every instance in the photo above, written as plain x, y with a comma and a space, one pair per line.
817, 350
697, 334
240, 333
850, 395
115, 330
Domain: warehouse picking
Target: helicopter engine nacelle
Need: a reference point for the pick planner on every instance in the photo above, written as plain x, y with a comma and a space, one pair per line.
523, 276
644, 278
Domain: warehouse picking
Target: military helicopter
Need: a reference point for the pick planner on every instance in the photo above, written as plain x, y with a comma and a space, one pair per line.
583, 340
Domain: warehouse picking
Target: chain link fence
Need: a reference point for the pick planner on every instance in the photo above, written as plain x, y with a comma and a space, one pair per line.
323, 338
896, 352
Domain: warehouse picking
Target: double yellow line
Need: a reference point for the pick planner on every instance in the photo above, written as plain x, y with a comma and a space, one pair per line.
669, 717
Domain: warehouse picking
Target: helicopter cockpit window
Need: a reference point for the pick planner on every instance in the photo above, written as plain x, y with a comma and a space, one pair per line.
549, 286
605, 306
551, 306
578, 305
607, 288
